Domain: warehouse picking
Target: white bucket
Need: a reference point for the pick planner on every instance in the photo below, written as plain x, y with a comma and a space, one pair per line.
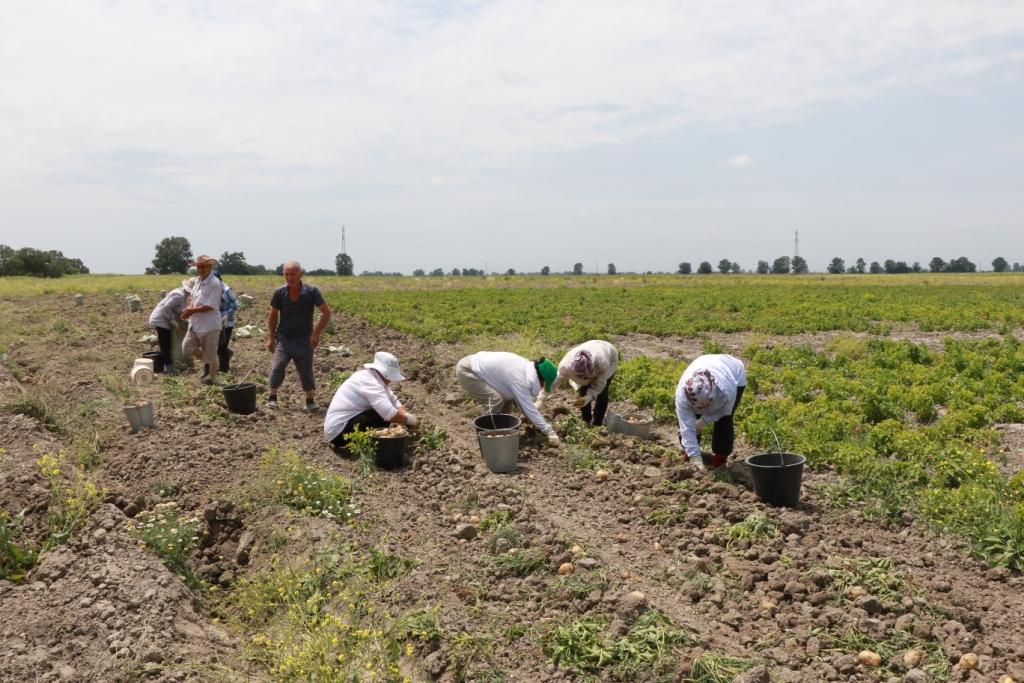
79, 299
141, 375
144, 362
140, 415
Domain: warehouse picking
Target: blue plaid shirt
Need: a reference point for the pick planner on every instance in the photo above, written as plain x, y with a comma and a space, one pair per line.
228, 306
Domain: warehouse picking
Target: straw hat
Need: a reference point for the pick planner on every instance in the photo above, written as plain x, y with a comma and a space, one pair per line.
203, 259
187, 284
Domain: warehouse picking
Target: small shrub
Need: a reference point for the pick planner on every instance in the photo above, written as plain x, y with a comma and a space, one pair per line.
15, 559
170, 535
360, 443
73, 497
431, 438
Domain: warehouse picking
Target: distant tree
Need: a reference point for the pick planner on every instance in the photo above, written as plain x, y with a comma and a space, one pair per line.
890, 266
258, 270
437, 272
837, 267
6, 259
724, 266
781, 266
685, 268
419, 272
916, 268
875, 268
38, 263
343, 264
1000, 265
937, 265
546, 270
233, 263
279, 270
611, 269
763, 268
799, 264
328, 271
704, 268
861, 266
736, 268
1016, 267
471, 271
456, 272
961, 265
577, 269
172, 255
510, 271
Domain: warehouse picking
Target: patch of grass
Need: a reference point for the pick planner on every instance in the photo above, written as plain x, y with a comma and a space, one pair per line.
645, 653
521, 562
335, 378
422, 625
288, 479
166, 489
467, 504
877, 575
431, 438
35, 405
582, 584
934, 661
360, 443
170, 535
756, 527
507, 533
575, 432
714, 667
492, 520
383, 567
582, 458
15, 558
670, 516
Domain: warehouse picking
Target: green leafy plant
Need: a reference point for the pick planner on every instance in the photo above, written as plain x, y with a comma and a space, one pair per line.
521, 562
15, 558
361, 444
288, 479
756, 527
169, 534
714, 667
431, 438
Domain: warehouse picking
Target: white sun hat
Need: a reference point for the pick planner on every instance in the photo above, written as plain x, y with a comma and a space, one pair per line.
387, 365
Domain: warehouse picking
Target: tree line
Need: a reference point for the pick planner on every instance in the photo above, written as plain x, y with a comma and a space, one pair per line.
38, 263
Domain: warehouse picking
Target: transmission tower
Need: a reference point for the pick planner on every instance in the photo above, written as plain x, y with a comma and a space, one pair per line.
796, 244
343, 250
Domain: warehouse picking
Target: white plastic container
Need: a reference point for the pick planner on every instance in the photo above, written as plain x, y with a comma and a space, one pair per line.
142, 375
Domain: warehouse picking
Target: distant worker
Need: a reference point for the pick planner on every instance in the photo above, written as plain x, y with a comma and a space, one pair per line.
365, 401
290, 333
589, 368
203, 315
167, 316
709, 392
228, 311
497, 380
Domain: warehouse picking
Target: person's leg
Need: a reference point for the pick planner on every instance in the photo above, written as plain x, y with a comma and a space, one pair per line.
601, 403
190, 344
723, 434
163, 337
479, 390
208, 348
587, 411
278, 364
223, 352
304, 365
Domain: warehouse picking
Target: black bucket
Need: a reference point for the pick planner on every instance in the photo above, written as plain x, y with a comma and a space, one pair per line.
497, 422
157, 358
241, 398
390, 452
777, 477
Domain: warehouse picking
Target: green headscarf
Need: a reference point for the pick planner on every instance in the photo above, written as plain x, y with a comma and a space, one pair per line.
548, 371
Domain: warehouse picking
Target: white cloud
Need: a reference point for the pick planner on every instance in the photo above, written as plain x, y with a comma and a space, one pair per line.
740, 161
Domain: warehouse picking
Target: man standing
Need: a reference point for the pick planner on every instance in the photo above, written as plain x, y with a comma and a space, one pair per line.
290, 333
203, 315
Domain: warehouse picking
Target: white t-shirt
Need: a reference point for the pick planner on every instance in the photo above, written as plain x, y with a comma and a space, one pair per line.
728, 373
169, 309
606, 362
515, 378
360, 392
206, 293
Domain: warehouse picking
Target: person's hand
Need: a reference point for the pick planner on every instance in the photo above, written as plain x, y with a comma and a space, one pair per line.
411, 420
314, 341
186, 314
539, 403
271, 345
581, 401
699, 425
553, 439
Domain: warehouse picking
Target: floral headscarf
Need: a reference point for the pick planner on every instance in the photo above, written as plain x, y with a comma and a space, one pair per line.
583, 364
700, 389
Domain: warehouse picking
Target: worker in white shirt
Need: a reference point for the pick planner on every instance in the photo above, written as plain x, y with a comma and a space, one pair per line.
708, 393
589, 368
365, 401
497, 380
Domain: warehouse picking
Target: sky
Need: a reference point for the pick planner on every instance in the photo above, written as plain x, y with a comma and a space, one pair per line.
513, 134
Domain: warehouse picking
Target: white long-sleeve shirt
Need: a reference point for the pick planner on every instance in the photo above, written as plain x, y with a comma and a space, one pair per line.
729, 374
360, 392
169, 309
606, 362
515, 378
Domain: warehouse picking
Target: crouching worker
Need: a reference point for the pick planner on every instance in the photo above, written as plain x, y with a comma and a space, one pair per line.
167, 315
365, 401
497, 380
708, 393
589, 368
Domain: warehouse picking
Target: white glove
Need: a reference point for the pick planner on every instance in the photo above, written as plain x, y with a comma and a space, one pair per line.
553, 439
539, 403
411, 420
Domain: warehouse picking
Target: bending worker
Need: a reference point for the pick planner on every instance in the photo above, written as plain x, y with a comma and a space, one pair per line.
365, 401
166, 315
497, 380
589, 368
709, 392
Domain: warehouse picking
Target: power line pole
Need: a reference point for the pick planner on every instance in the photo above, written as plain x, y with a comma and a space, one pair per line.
343, 250
796, 245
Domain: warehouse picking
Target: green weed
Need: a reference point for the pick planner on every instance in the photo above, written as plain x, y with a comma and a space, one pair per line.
756, 527
288, 479
170, 535
521, 562
15, 558
714, 667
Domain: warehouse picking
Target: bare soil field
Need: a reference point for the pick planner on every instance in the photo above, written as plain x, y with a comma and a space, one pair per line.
647, 534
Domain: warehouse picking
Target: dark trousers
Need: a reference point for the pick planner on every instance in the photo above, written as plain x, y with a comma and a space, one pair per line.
368, 419
723, 432
163, 337
593, 412
223, 352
